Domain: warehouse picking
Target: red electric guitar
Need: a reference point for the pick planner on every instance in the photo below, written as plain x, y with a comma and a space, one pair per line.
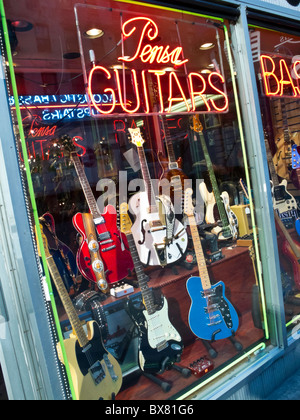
113, 245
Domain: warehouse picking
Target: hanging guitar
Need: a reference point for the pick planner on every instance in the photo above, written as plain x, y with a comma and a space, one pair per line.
113, 245
95, 372
160, 345
289, 248
211, 316
295, 174
160, 238
217, 205
283, 202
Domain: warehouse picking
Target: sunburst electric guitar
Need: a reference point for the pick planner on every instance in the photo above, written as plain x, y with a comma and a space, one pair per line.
96, 375
160, 238
211, 317
160, 345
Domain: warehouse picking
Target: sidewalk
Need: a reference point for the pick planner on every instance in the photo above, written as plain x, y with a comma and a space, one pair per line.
288, 390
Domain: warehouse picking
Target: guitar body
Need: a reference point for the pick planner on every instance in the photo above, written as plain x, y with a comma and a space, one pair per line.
173, 173
108, 373
220, 321
287, 251
212, 214
113, 248
150, 240
160, 345
283, 201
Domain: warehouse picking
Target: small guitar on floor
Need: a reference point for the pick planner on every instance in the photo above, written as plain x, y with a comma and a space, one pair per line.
95, 372
211, 317
160, 344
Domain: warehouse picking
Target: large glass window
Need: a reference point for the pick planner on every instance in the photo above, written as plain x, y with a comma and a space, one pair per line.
146, 224
277, 64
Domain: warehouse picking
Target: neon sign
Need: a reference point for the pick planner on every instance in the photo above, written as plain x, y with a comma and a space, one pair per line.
279, 79
129, 87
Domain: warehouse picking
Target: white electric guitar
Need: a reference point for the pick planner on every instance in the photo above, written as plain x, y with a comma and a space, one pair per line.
160, 238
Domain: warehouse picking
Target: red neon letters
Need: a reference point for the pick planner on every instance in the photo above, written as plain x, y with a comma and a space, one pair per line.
174, 93
285, 82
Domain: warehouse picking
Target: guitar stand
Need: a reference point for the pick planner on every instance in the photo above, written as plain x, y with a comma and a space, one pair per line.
213, 353
167, 386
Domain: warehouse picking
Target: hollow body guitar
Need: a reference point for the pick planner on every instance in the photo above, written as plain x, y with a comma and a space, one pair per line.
211, 316
160, 238
160, 344
113, 246
95, 372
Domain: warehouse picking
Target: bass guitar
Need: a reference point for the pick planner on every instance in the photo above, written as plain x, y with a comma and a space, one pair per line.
214, 200
95, 372
113, 246
160, 345
211, 317
160, 238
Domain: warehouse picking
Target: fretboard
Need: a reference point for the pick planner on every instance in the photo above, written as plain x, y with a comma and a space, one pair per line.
203, 272
169, 142
273, 174
214, 184
147, 180
86, 188
141, 276
67, 303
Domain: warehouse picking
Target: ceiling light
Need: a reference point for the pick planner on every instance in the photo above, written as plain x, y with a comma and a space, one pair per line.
207, 46
94, 33
205, 71
22, 25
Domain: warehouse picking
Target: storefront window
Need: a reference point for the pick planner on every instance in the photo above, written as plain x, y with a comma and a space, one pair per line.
146, 221
277, 64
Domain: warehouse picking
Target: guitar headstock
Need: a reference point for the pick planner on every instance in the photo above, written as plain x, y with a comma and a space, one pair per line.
295, 157
197, 125
188, 202
125, 221
136, 136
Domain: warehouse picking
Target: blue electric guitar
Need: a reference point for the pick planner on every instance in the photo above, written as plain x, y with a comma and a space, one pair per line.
295, 176
211, 317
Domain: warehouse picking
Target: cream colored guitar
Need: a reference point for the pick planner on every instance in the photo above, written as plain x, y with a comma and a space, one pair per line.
96, 375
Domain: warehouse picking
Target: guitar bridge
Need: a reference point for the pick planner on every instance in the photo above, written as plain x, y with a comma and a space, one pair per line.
162, 346
97, 372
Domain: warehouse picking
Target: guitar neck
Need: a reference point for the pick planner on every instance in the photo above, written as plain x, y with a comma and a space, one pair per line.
203, 272
168, 140
141, 276
67, 303
147, 180
88, 193
213, 181
274, 176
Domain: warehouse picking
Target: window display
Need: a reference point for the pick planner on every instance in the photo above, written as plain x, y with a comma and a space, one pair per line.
277, 65
140, 177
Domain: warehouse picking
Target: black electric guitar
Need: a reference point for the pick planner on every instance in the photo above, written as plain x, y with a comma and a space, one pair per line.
95, 372
160, 345
217, 205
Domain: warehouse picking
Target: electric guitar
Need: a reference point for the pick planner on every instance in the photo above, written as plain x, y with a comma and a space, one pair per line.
160, 238
214, 199
113, 246
160, 345
283, 201
295, 174
211, 317
95, 372
289, 248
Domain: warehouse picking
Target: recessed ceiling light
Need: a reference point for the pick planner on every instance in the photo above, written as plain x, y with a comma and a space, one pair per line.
21, 25
211, 66
94, 33
207, 46
205, 71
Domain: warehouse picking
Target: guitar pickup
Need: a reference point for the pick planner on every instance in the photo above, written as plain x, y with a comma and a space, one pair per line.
104, 236
109, 241
99, 221
155, 224
162, 346
108, 249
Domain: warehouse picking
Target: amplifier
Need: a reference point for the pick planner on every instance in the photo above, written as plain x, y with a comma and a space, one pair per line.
242, 212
